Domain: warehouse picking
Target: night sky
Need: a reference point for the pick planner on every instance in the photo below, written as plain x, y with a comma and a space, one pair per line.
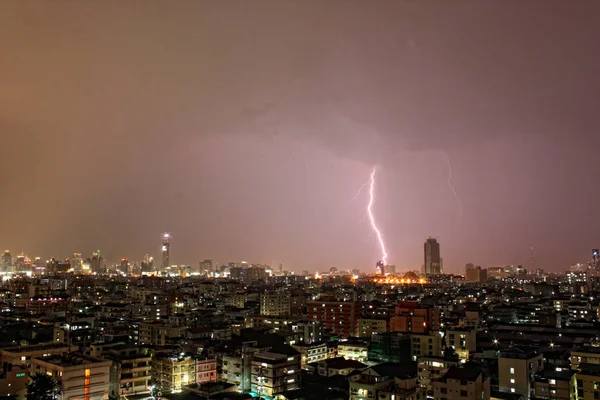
244, 128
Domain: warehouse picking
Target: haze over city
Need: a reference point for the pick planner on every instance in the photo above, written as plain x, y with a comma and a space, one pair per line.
246, 129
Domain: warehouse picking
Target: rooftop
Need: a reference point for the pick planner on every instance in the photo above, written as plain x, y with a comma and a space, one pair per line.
71, 360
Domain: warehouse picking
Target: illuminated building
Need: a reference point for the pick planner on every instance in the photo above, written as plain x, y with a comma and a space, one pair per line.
148, 264
206, 370
97, 263
413, 317
516, 369
311, 352
277, 304
166, 249
172, 371
463, 340
379, 268
130, 372
7, 260
275, 373
76, 262
79, 376
339, 316
433, 260
206, 267
20, 263
476, 274
124, 266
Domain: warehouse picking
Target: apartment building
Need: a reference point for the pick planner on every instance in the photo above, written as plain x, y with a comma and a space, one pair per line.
368, 327
462, 383
130, 372
516, 370
172, 371
464, 341
78, 376
339, 316
311, 352
275, 373
275, 304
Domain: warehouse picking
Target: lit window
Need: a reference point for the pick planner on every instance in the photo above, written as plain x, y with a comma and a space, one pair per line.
512, 390
88, 372
512, 371
512, 381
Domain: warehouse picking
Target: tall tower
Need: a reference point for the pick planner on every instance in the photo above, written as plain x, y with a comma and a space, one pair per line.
433, 260
166, 248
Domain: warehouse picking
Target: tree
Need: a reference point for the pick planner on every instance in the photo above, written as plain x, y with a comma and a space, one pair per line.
41, 387
450, 354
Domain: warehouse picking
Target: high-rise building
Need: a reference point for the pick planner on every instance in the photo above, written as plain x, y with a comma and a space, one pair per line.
433, 260
148, 264
20, 261
76, 262
166, 248
124, 266
206, 267
596, 259
97, 263
7, 260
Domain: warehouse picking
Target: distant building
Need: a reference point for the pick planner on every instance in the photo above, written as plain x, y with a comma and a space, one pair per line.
166, 250
97, 263
476, 274
433, 260
206, 267
147, 264
7, 260
76, 262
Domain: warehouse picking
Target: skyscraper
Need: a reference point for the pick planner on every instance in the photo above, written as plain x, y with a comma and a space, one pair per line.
148, 264
166, 247
76, 262
433, 261
97, 264
7, 260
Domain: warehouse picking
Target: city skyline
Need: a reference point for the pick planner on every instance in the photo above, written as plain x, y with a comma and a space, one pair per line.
245, 134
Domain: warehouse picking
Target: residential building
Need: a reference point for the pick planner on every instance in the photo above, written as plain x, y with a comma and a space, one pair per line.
130, 372
275, 304
559, 385
462, 383
368, 327
426, 345
78, 376
464, 341
311, 352
382, 379
172, 371
339, 316
353, 350
275, 373
410, 316
206, 370
516, 370
433, 368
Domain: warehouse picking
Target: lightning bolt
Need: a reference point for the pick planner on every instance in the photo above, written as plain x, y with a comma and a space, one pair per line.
372, 218
451, 186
